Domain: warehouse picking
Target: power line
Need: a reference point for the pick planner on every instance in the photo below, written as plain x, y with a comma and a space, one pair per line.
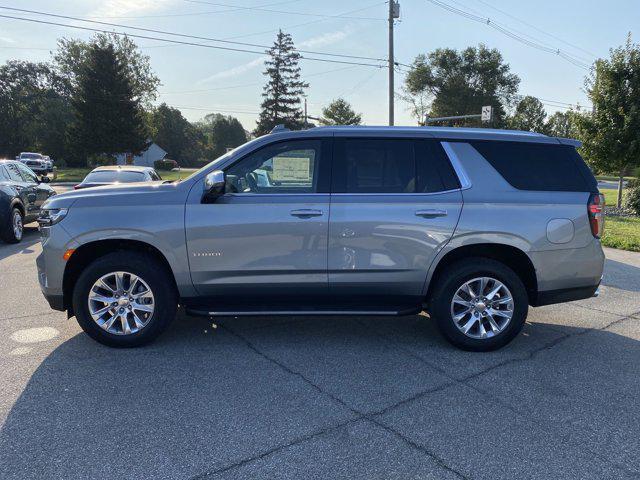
577, 47
288, 12
179, 42
181, 35
510, 33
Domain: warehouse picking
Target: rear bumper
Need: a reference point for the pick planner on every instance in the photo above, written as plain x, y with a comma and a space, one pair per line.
562, 295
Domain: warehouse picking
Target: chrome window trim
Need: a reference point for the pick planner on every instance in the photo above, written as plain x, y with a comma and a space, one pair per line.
397, 194
457, 166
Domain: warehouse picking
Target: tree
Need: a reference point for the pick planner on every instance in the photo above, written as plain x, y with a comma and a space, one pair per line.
529, 115
562, 124
611, 133
221, 133
108, 118
72, 54
33, 111
447, 83
284, 89
339, 112
174, 133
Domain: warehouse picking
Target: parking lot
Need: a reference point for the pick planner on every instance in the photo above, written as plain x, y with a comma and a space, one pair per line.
301, 397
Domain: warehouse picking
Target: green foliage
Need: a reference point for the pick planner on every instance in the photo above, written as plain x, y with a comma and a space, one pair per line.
562, 124
108, 118
100, 160
622, 232
175, 134
611, 134
220, 133
529, 116
447, 82
284, 89
33, 110
165, 165
632, 196
340, 112
72, 55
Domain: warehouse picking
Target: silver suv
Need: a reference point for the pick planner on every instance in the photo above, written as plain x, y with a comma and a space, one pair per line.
469, 225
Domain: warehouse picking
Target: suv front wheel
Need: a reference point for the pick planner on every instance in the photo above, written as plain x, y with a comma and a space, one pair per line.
124, 299
480, 304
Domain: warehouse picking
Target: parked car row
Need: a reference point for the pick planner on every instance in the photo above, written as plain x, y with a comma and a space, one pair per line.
22, 194
23, 188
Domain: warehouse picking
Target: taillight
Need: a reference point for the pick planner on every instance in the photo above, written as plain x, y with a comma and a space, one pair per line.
595, 209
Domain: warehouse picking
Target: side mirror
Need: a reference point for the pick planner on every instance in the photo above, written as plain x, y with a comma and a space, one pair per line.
214, 184
45, 179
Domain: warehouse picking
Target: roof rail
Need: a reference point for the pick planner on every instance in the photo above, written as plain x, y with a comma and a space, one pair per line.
279, 128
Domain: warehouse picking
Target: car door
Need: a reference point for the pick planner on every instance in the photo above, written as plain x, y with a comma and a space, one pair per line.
26, 190
41, 190
265, 238
395, 203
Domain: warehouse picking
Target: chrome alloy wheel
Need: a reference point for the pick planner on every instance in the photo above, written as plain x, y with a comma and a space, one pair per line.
17, 225
121, 303
482, 307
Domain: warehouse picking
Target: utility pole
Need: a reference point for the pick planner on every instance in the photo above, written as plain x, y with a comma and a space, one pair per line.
394, 12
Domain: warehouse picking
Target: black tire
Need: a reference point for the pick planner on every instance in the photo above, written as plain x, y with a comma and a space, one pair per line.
455, 276
6, 230
150, 271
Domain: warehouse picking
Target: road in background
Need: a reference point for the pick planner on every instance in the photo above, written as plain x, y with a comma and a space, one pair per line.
306, 397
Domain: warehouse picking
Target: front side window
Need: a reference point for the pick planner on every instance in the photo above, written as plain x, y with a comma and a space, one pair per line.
288, 167
14, 173
27, 175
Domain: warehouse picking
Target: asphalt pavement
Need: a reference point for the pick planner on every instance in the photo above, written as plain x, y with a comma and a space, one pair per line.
306, 397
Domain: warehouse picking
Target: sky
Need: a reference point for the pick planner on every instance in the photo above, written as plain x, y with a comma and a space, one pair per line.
200, 80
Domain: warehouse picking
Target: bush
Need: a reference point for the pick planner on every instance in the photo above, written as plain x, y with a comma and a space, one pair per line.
165, 164
632, 196
100, 160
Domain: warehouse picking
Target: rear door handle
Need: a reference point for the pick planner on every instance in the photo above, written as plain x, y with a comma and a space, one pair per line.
306, 212
431, 213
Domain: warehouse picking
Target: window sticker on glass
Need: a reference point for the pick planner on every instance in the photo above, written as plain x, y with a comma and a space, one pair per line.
292, 168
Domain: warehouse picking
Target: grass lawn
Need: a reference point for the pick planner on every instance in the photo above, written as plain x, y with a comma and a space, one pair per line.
78, 174
622, 233
610, 196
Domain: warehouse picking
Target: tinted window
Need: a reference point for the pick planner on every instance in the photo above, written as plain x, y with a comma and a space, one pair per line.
14, 173
27, 174
534, 166
435, 173
391, 166
3, 173
288, 167
112, 176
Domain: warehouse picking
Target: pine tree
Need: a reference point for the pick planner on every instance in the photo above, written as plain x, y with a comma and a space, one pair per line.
108, 116
283, 91
340, 112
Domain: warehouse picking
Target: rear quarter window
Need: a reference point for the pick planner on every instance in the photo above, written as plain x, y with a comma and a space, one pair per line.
538, 166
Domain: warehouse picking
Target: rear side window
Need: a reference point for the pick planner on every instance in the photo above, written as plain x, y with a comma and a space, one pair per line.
535, 166
364, 165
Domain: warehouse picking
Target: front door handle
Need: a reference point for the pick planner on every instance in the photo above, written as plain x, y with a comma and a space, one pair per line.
431, 213
306, 213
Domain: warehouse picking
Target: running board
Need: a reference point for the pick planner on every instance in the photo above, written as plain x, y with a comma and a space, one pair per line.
256, 313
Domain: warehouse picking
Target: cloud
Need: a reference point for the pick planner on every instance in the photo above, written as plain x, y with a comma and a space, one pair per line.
318, 41
7, 40
124, 7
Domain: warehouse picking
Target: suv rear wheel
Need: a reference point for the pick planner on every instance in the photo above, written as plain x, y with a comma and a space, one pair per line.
480, 304
124, 299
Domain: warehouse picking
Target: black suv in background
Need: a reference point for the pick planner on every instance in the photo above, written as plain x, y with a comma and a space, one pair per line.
21, 196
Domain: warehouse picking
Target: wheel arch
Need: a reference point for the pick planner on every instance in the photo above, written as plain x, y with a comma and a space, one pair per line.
90, 251
511, 256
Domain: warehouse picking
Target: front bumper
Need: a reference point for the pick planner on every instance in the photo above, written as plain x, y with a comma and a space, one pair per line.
51, 265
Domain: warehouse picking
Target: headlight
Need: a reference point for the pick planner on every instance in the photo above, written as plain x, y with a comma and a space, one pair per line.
51, 216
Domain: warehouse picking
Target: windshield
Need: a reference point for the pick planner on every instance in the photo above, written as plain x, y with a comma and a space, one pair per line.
112, 176
31, 156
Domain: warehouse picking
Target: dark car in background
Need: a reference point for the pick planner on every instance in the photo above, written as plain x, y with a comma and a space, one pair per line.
112, 175
21, 196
